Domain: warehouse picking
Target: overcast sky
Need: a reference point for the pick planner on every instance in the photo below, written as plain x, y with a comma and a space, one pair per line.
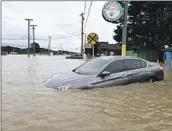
58, 19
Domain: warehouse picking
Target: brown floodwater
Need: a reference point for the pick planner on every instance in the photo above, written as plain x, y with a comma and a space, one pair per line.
27, 105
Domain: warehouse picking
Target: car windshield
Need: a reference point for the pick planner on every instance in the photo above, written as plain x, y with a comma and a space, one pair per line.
92, 67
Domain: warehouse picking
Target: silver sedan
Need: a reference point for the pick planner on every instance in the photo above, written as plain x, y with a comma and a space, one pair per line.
107, 71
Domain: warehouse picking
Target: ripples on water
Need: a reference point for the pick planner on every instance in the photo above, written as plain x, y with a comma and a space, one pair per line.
29, 106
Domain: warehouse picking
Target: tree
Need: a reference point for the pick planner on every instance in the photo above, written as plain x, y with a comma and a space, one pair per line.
149, 25
37, 47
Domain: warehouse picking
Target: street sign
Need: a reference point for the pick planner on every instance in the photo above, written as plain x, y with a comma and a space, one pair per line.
92, 38
112, 11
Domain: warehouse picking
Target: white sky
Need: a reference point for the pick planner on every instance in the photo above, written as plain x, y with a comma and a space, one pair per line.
54, 18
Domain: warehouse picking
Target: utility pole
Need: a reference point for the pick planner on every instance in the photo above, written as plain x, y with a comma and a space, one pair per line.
82, 32
49, 46
29, 36
85, 40
124, 32
33, 27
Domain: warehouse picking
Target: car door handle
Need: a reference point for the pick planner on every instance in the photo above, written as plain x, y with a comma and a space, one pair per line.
123, 75
146, 71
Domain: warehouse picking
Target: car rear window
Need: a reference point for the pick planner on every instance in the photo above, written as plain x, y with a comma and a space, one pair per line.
115, 67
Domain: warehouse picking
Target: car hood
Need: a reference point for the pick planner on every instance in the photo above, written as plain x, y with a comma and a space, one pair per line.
69, 78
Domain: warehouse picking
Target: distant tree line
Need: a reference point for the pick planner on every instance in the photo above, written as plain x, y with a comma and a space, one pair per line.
9, 49
39, 50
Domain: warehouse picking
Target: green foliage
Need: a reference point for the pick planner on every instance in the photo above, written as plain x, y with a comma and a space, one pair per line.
10, 49
149, 25
37, 47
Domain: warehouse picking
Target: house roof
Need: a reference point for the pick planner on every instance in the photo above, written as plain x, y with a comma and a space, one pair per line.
109, 46
113, 46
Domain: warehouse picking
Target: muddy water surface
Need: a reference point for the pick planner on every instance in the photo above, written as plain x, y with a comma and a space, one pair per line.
29, 106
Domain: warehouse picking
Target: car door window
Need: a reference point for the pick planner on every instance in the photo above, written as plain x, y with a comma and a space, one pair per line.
132, 64
115, 67
144, 64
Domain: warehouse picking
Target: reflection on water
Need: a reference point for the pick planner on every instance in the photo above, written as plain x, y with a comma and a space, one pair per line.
29, 106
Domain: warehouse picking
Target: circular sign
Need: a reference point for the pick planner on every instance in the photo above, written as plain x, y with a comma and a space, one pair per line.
92, 38
112, 11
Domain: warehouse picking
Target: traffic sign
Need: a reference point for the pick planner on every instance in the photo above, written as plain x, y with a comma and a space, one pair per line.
92, 38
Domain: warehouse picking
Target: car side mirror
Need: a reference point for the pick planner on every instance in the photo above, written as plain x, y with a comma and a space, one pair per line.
105, 73
73, 70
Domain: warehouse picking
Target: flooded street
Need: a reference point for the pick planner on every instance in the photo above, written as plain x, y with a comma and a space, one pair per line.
29, 106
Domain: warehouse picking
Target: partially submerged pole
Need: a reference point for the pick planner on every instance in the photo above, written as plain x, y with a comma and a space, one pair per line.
124, 32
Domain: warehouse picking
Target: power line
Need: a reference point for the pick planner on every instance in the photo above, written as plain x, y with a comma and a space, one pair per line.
74, 33
20, 39
41, 38
12, 19
20, 13
85, 5
66, 36
8, 18
12, 39
68, 33
12, 7
4, 5
88, 15
79, 32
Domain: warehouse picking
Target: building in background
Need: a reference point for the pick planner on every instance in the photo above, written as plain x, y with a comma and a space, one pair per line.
103, 48
87, 50
109, 49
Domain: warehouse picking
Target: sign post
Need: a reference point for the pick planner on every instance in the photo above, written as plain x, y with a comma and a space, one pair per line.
93, 50
111, 12
92, 39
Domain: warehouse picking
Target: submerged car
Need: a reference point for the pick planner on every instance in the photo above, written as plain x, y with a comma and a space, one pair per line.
107, 71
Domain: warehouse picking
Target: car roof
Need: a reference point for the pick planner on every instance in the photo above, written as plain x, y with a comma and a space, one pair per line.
109, 58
